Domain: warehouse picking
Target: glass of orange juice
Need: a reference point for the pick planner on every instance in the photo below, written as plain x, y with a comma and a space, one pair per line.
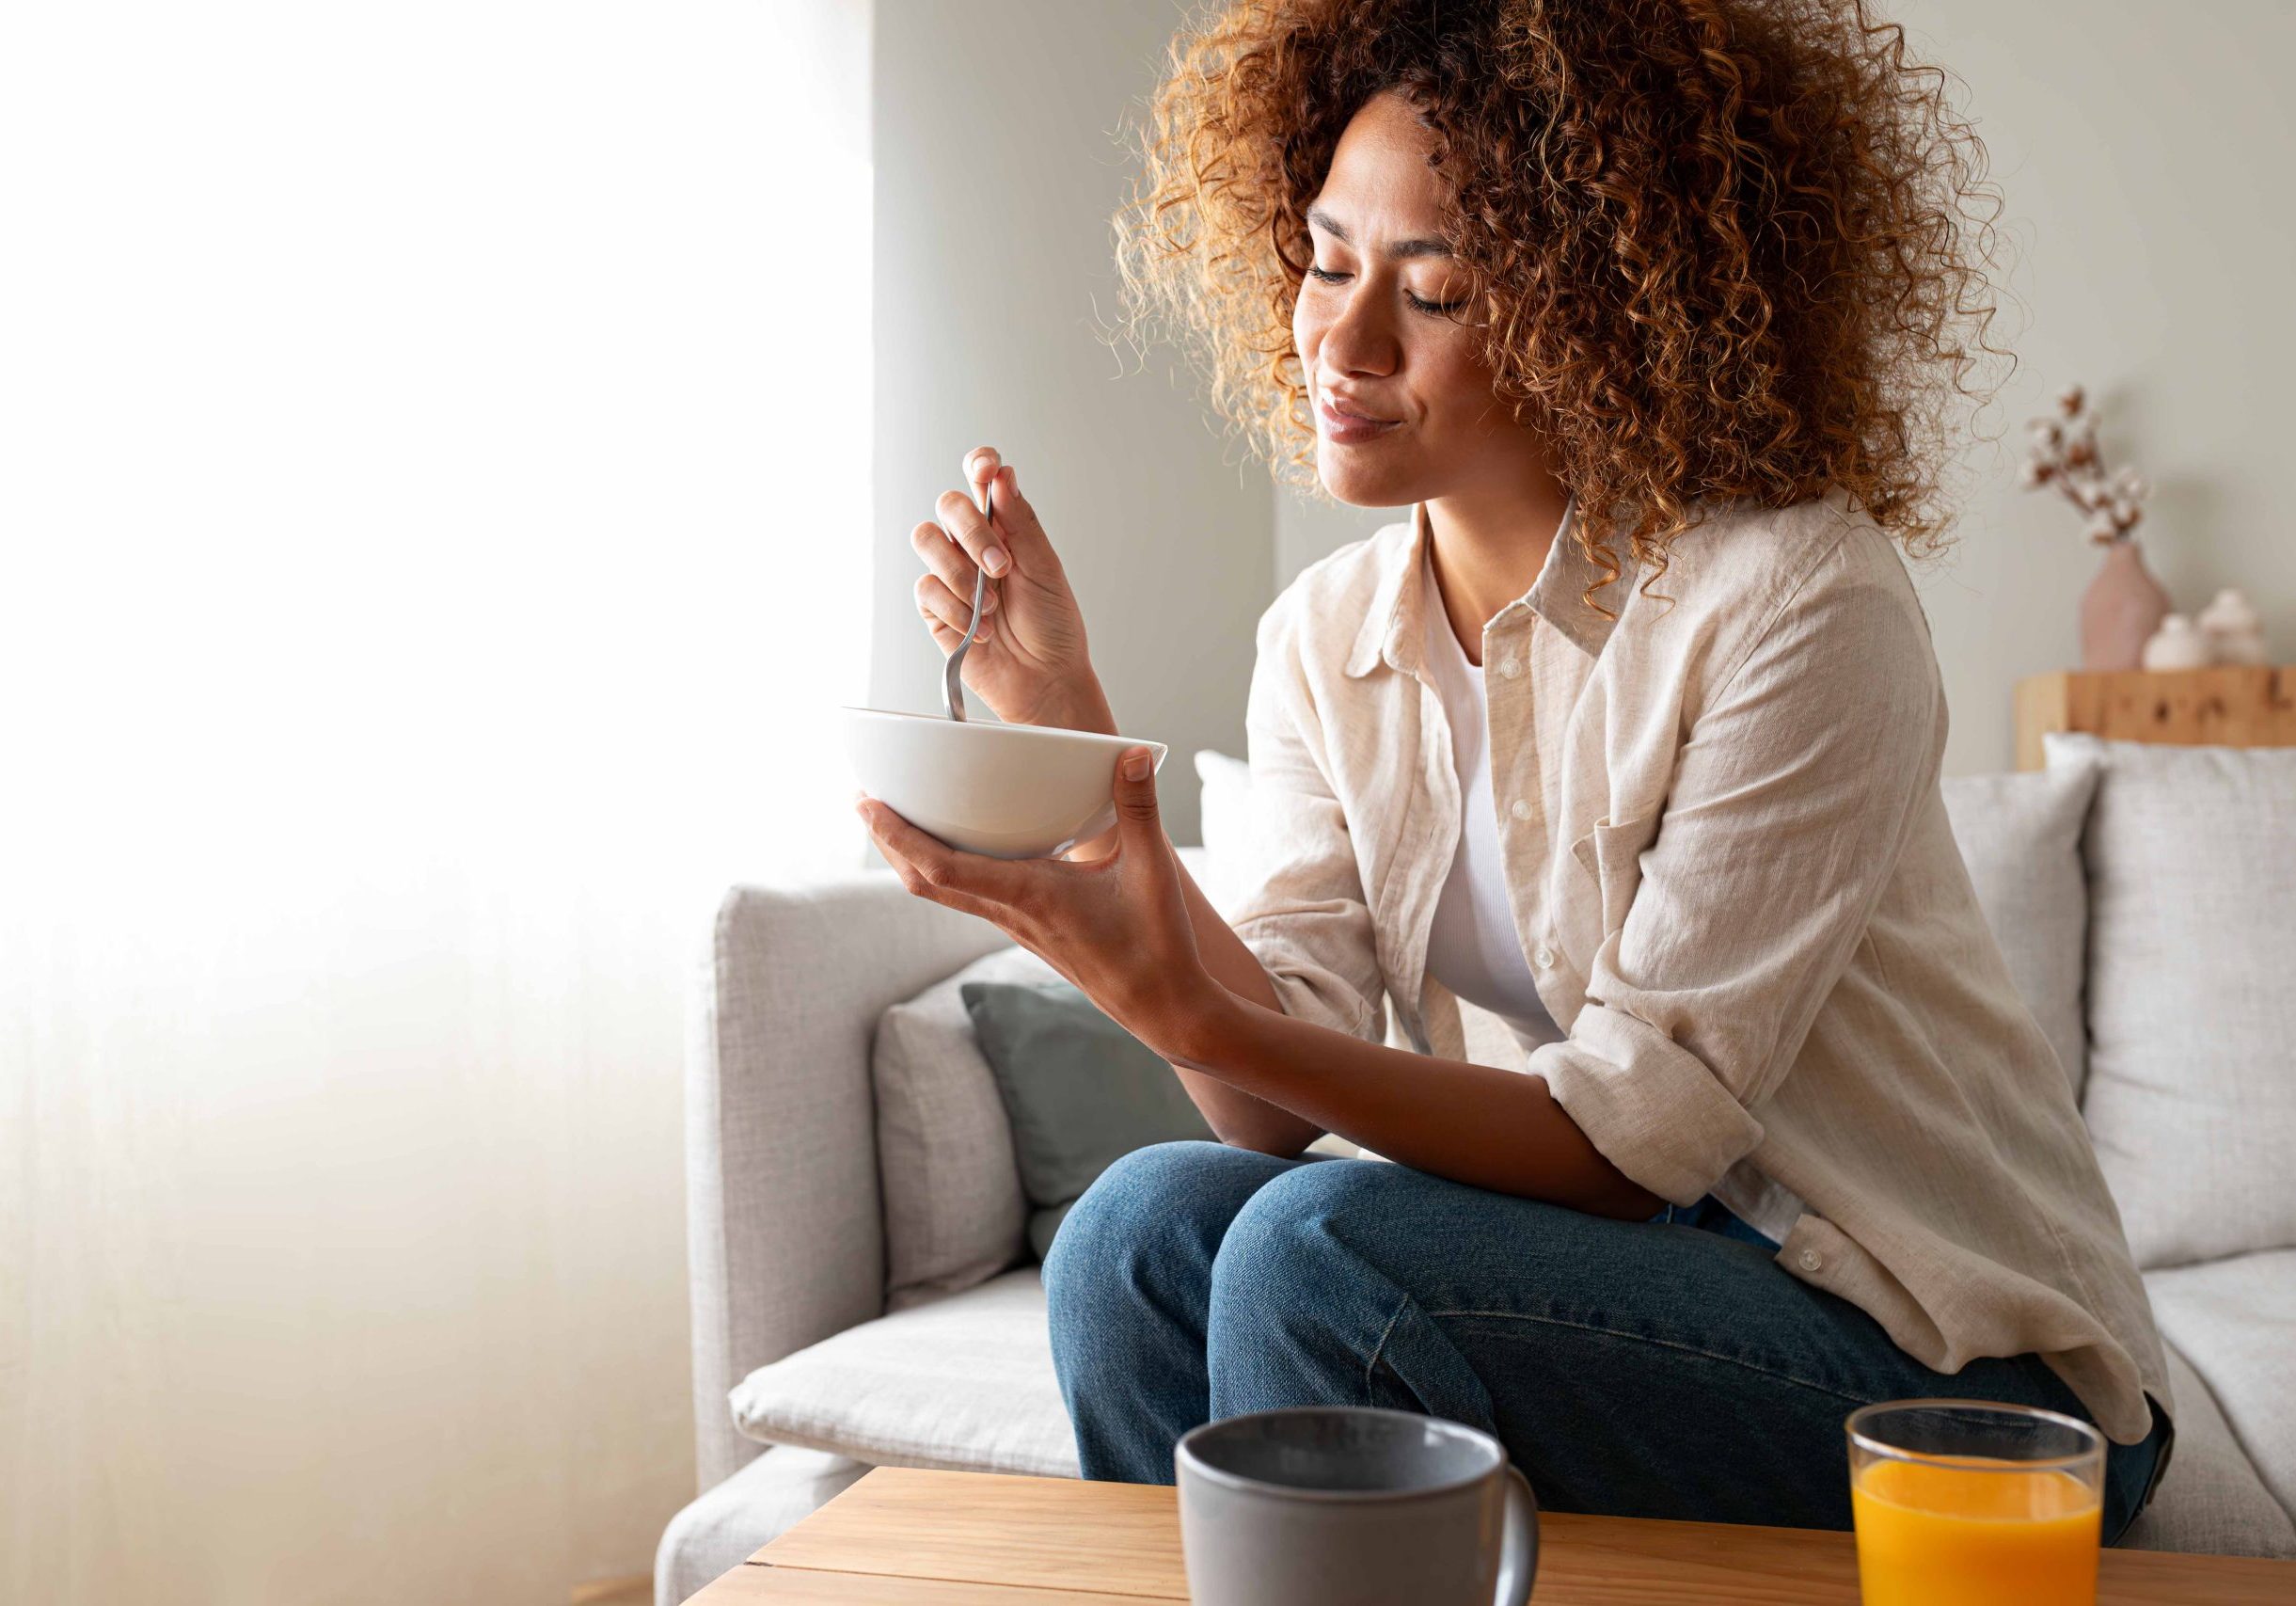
1975, 1503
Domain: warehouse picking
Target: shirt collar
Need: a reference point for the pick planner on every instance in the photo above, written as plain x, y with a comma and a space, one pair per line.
1393, 626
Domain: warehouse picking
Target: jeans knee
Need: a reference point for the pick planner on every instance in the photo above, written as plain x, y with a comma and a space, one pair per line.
1123, 1223
1282, 1237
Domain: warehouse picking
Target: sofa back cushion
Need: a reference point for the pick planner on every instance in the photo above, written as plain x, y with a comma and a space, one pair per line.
2191, 854
1225, 802
2020, 837
955, 1213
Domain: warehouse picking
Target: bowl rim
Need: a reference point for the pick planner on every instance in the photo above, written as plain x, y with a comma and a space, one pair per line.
1094, 738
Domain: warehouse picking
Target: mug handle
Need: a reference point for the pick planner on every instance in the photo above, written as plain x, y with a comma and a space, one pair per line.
1518, 1545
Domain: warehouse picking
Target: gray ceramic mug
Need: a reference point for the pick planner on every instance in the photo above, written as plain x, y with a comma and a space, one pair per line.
1346, 1505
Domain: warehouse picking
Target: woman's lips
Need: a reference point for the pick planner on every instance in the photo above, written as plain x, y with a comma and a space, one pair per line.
1344, 429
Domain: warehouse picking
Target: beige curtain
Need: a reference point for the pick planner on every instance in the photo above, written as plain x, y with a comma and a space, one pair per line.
433, 539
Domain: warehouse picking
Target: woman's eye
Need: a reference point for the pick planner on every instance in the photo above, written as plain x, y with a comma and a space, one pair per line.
1433, 309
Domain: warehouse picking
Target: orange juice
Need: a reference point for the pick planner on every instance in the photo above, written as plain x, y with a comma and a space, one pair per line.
1974, 1532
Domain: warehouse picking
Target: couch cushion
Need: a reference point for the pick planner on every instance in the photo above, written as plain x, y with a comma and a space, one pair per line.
967, 1383
2211, 1500
2235, 1320
2020, 837
955, 1214
964, 1384
2192, 1092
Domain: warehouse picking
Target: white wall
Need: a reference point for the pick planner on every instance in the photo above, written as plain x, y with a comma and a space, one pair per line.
2144, 153
2144, 156
998, 170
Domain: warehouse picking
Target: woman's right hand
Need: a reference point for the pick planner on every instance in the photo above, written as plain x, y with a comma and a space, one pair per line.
1028, 661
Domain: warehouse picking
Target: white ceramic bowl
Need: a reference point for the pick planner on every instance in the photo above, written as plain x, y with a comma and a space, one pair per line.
1008, 791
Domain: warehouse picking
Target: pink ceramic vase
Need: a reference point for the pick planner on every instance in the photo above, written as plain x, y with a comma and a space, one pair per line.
2123, 606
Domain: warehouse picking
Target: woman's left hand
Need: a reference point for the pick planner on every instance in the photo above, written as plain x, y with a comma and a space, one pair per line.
1118, 927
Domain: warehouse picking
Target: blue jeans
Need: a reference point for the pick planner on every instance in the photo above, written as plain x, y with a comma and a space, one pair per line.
1665, 1368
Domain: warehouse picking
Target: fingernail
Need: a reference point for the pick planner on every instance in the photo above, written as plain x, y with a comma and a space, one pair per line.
996, 560
1012, 478
1136, 767
989, 602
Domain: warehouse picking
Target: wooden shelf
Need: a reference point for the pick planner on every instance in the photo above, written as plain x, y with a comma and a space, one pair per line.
2226, 707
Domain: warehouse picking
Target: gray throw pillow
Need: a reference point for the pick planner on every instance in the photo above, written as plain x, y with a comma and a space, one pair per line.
1081, 1091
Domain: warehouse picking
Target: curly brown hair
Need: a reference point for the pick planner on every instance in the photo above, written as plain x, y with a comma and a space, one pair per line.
1721, 248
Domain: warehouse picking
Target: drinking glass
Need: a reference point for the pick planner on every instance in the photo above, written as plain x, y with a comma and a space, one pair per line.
1975, 1503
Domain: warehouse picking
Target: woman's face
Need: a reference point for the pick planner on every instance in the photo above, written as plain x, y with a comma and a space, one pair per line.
1378, 332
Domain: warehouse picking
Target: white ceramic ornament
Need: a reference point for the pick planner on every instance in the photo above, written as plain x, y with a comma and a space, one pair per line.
2235, 631
2178, 644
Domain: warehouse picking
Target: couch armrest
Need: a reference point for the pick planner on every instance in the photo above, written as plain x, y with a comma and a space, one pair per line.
785, 1227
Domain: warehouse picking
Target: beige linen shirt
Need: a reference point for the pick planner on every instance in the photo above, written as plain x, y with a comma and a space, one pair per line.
1731, 870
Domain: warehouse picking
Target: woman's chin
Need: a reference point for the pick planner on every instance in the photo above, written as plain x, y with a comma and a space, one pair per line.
1356, 476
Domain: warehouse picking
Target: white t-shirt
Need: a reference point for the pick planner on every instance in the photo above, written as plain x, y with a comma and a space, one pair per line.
1472, 947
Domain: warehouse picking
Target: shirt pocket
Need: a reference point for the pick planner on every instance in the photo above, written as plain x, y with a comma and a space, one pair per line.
1610, 856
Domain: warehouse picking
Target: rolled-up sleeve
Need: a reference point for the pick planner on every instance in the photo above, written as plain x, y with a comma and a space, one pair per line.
1300, 906
1791, 799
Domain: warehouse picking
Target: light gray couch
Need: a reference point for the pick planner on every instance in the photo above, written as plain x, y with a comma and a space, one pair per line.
794, 1341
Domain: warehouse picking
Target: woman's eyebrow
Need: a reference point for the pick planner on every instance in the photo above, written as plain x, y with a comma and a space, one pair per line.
1401, 250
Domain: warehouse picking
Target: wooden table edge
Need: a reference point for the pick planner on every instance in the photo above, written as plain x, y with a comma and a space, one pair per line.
2159, 1575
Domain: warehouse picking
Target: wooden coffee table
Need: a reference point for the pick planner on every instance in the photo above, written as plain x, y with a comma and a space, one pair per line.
909, 1538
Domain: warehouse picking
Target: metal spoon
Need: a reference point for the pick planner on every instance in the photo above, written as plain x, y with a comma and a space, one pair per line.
952, 679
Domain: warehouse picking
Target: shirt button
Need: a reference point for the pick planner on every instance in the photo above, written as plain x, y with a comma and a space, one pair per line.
1519, 808
1511, 666
1546, 956
1810, 1261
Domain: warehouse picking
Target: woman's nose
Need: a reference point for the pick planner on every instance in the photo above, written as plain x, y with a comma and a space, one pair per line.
1359, 339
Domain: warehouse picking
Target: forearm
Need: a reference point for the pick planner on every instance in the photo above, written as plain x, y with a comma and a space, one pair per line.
1480, 1124
1243, 1120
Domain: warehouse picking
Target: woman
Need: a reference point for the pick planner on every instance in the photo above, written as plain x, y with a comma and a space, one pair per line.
1629, 737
